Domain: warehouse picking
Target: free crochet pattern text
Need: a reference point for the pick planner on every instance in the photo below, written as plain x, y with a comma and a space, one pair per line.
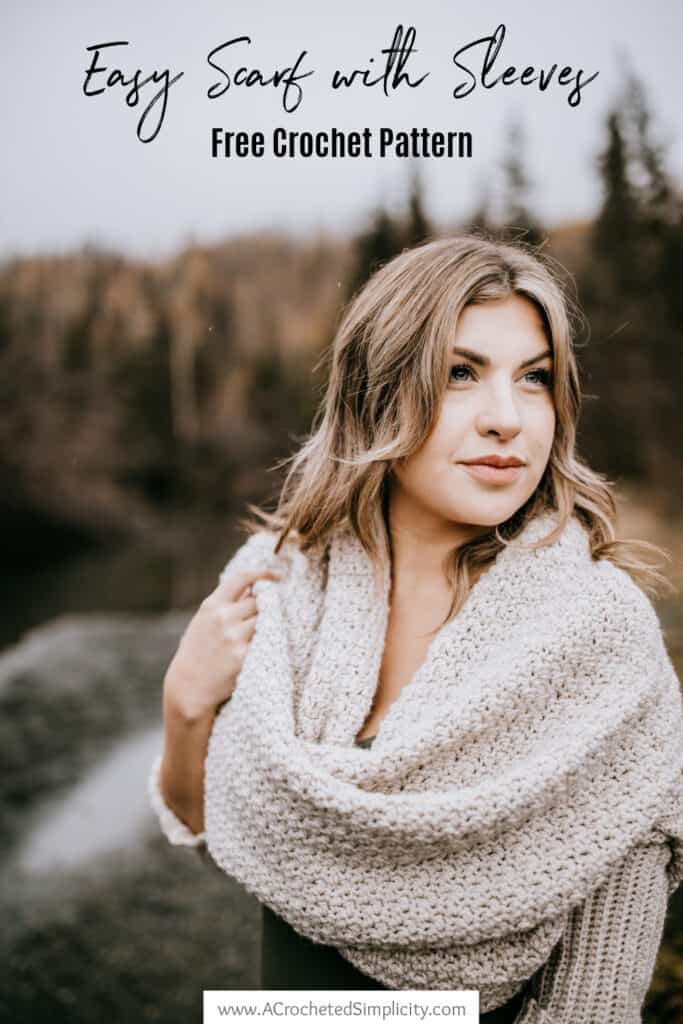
477, 64
336, 144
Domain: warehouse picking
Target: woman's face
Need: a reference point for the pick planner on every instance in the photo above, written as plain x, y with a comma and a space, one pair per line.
498, 402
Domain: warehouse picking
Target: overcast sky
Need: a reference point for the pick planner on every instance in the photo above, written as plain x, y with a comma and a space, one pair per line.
74, 170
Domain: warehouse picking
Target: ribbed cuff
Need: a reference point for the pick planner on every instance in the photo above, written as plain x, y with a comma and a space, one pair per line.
531, 1013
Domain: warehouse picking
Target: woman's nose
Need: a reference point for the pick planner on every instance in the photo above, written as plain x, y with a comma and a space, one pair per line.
499, 413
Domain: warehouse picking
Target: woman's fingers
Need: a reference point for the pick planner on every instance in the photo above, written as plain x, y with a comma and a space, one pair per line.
232, 613
245, 629
239, 631
245, 607
214, 645
231, 586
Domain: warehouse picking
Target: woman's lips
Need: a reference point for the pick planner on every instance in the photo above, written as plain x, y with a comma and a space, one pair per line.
492, 474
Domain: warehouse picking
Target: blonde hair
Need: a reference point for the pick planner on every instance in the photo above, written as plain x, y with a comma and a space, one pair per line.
387, 377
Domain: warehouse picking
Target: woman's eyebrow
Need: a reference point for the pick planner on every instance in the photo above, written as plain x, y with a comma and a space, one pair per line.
481, 360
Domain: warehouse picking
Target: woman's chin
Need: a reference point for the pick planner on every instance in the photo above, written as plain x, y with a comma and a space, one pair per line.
488, 513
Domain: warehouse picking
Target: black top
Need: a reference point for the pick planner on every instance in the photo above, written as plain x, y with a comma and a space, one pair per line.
289, 960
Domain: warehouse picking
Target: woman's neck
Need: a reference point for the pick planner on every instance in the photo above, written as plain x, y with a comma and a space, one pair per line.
419, 550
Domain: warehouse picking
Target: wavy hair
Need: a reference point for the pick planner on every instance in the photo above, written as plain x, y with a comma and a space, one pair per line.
387, 373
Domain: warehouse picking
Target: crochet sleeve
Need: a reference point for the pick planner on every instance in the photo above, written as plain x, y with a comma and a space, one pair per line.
601, 969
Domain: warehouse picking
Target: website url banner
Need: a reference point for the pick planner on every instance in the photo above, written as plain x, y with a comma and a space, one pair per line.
409, 1007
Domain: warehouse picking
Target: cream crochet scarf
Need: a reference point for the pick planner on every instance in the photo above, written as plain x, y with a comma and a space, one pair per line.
539, 741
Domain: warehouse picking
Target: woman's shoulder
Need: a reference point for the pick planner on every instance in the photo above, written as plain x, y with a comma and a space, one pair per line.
571, 566
617, 595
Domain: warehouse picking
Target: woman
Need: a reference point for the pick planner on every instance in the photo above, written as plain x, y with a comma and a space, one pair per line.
453, 756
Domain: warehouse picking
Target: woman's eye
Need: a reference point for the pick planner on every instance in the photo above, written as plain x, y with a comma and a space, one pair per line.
541, 376
458, 369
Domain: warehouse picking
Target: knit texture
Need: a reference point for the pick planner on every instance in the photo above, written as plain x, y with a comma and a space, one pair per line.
600, 970
537, 745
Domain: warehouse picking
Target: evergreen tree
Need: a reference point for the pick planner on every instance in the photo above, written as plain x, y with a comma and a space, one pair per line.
417, 227
617, 226
660, 206
375, 246
386, 236
480, 220
631, 290
517, 218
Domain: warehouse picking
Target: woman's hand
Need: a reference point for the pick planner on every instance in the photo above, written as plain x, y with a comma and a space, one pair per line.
208, 660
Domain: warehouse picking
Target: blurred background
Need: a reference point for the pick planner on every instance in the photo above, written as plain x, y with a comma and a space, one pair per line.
162, 317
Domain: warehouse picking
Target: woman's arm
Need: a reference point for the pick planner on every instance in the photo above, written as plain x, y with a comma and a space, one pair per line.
203, 671
176, 783
601, 969
186, 741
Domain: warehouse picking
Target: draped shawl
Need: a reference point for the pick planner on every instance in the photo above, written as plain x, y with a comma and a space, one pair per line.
536, 745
